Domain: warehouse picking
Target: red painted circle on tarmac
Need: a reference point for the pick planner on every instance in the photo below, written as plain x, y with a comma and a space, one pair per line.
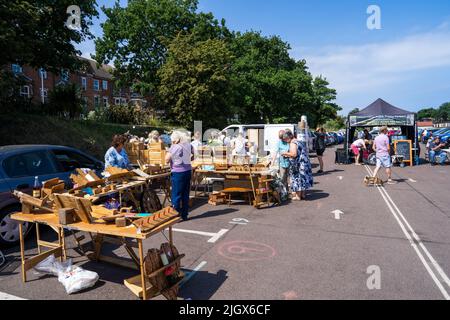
246, 251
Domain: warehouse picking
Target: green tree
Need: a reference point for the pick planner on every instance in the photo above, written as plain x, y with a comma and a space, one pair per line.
325, 97
136, 37
354, 111
195, 81
65, 101
35, 33
443, 113
270, 85
427, 113
335, 124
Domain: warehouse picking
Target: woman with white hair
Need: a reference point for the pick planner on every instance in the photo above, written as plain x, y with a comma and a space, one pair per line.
179, 157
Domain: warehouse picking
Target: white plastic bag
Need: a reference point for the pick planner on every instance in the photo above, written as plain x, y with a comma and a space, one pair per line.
73, 278
76, 279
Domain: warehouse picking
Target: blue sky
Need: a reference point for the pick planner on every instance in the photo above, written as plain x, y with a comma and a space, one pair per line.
407, 62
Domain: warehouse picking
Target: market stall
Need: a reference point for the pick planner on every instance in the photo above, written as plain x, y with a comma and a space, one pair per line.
379, 114
85, 208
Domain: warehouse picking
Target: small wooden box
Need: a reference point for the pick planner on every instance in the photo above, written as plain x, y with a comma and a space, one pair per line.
66, 216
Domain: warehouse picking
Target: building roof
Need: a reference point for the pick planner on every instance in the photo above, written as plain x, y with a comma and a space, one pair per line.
101, 71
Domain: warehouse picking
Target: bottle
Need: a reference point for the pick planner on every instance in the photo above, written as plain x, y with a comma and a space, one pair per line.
37, 188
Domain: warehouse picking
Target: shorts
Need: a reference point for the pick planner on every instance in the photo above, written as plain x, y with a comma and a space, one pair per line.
320, 152
355, 150
384, 161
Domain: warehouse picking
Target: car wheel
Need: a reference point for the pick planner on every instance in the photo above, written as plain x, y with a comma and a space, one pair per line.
9, 229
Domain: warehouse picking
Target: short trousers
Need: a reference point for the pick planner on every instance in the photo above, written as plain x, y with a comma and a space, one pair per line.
320, 152
355, 150
384, 161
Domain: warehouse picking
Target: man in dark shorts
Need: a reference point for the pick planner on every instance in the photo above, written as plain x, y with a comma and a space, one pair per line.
320, 147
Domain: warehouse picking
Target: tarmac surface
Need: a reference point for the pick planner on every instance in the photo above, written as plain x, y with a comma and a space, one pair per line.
388, 243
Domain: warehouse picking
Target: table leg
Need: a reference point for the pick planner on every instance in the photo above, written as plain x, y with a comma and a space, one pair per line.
38, 238
22, 252
142, 269
63, 244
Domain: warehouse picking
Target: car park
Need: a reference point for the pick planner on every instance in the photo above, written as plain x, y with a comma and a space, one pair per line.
19, 165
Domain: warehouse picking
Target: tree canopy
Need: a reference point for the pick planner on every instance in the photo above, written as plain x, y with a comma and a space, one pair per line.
442, 113
35, 33
198, 69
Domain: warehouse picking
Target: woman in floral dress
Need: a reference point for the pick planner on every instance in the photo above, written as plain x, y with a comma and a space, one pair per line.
300, 170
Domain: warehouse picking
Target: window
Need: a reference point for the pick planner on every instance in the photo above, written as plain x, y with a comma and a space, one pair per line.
105, 85
105, 101
96, 101
84, 83
64, 75
96, 85
28, 165
43, 73
25, 91
117, 101
16, 68
123, 101
69, 160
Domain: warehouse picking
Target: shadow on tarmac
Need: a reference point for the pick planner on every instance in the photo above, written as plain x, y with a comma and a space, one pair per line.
215, 213
203, 285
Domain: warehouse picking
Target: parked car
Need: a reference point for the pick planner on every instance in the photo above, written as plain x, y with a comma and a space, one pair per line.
427, 136
19, 165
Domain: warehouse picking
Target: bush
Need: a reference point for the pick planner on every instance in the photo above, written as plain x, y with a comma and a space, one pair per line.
65, 101
128, 115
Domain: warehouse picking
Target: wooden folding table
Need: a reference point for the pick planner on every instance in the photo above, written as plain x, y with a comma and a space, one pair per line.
102, 233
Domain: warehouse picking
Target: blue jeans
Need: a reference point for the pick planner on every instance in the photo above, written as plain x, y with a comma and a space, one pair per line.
441, 154
181, 187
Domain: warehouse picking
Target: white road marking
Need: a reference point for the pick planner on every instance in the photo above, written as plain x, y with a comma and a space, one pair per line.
240, 221
192, 273
412, 234
213, 236
340, 177
6, 296
412, 180
337, 214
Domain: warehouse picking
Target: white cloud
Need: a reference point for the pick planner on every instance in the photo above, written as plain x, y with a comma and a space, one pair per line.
353, 69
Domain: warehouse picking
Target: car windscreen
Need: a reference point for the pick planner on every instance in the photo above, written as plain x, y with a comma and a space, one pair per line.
28, 164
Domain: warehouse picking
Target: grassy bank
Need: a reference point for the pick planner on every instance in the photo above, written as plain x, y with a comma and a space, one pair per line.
91, 137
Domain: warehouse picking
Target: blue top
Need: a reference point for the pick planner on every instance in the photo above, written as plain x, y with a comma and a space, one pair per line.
115, 159
283, 147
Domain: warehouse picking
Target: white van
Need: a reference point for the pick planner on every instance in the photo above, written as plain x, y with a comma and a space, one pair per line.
265, 136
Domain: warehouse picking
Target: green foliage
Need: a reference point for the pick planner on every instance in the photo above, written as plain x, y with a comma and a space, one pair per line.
34, 33
335, 124
137, 37
356, 110
64, 101
440, 114
195, 81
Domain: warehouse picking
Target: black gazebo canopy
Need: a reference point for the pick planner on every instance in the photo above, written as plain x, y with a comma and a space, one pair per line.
379, 114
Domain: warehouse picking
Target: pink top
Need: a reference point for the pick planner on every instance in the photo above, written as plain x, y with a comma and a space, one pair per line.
382, 145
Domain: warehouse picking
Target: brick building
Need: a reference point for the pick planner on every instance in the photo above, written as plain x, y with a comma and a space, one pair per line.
95, 82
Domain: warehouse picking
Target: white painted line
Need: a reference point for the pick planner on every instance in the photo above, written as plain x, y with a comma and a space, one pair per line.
6, 296
218, 236
192, 273
240, 223
213, 236
412, 180
396, 213
340, 177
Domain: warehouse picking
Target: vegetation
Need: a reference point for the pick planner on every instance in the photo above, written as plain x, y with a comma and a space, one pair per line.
90, 136
198, 69
441, 113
